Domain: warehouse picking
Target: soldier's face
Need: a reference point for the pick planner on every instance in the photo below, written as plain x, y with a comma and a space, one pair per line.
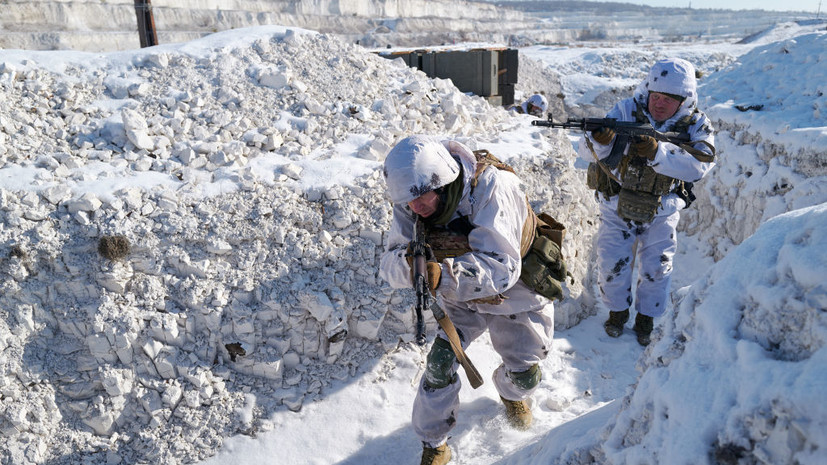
662, 107
425, 205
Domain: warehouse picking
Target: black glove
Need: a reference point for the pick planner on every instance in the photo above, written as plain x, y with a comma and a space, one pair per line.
644, 147
603, 136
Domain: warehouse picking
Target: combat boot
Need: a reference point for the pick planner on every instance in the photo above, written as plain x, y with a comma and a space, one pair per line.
518, 413
614, 325
643, 328
435, 455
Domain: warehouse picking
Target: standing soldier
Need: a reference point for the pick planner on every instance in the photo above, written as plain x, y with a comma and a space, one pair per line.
650, 182
479, 287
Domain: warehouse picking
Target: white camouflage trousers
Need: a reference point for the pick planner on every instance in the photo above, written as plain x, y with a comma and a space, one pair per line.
522, 340
616, 254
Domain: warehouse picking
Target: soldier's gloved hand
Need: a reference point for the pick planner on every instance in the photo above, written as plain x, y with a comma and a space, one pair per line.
644, 147
431, 265
603, 136
434, 275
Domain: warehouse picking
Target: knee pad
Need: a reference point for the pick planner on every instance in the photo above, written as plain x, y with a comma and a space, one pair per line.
526, 380
439, 371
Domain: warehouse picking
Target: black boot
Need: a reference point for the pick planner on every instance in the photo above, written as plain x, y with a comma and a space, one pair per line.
643, 328
614, 325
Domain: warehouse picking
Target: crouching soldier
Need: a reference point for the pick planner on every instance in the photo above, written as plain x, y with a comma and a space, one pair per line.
476, 283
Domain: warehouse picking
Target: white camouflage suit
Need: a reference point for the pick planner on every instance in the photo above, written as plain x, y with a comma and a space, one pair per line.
521, 327
656, 241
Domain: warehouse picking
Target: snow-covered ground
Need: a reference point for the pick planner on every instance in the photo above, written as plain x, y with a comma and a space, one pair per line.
243, 172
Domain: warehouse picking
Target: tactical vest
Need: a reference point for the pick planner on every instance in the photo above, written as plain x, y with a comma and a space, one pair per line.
543, 267
639, 195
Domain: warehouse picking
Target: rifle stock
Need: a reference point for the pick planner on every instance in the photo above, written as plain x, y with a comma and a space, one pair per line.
423, 295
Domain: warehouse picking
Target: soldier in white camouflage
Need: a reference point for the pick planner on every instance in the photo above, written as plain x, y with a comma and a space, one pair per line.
640, 201
479, 289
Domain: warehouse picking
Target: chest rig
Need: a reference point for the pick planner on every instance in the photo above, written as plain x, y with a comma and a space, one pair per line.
639, 187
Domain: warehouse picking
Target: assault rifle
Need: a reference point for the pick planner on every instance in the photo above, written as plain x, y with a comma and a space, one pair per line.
630, 130
620, 127
419, 252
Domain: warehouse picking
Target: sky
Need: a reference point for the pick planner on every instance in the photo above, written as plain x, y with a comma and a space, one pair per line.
810, 6
737, 362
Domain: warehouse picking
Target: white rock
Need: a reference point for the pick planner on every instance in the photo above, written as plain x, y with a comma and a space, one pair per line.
103, 424
299, 86
368, 324
292, 171
87, 202
273, 142
317, 303
165, 364
160, 60
557, 403
150, 399
273, 79
56, 194
219, 246
117, 382
172, 394
100, 348
291, 360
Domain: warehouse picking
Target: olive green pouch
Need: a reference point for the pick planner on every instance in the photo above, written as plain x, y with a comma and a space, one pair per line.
637, 206
543, 267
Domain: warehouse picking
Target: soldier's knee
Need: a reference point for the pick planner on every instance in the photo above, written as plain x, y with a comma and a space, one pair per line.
439, 373
528, 379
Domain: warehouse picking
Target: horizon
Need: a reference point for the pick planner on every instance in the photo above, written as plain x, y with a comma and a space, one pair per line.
808, 6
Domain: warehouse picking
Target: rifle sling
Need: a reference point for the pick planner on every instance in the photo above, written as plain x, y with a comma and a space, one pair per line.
700, 155
600, 163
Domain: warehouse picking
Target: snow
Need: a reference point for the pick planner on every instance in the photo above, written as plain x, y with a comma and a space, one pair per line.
245, 171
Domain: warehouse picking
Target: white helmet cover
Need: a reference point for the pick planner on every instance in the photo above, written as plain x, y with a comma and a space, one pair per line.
417, 165
539, 101
672, 76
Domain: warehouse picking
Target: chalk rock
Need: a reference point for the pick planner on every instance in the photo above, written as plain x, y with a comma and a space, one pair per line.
88, 202
292, 171
136, 127
117, 382
273, 78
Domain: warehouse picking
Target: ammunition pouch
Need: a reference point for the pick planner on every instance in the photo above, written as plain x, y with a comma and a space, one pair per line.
640, 177
543, 267
640, 195
637, 206
598, 180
